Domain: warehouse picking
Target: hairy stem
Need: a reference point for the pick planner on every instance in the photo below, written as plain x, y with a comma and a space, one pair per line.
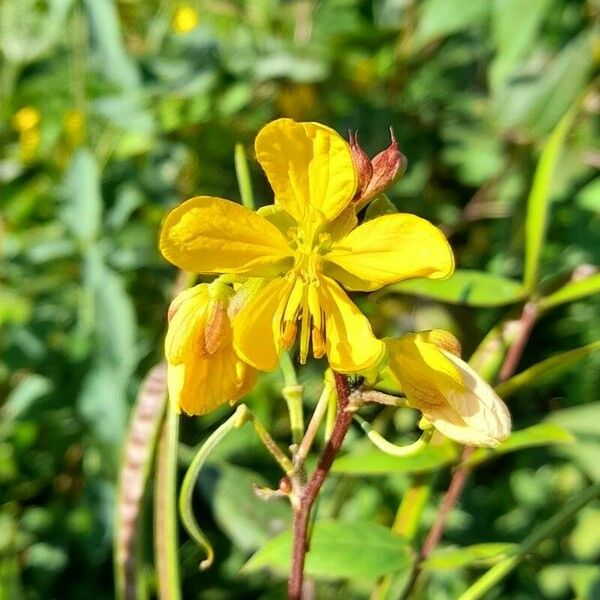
309, 493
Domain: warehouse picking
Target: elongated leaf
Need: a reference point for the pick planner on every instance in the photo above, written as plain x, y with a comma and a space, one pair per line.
117, 65
474, 288
138, 452
513, 32
481, 555
375, 462
82, 210
444, 17
339, 549
547, 369
542, 434
572, 291
538, 203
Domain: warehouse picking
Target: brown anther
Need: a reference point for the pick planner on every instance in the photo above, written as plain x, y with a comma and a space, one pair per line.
215, 327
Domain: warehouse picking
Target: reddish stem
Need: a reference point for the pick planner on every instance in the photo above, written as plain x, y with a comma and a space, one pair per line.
310, 492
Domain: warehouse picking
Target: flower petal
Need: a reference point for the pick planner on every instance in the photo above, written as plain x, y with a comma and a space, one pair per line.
387, 250
349, 340
256, 328
201, 385
212, 235
188, 316
457, 401
307, 164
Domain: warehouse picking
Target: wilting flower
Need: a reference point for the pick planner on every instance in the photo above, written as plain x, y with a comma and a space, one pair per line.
303, 247
185, 18
449, 393
204, 371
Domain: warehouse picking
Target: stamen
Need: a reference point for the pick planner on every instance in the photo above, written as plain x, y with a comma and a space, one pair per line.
288, 334
318, 343
305, 330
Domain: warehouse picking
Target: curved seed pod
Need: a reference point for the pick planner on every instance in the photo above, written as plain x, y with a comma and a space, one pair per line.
138, 451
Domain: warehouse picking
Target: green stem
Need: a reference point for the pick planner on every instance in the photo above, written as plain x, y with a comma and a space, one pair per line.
165, 511
282, 460
378, 440
292, 393
237, 419
489, 579
315, 421
243, 177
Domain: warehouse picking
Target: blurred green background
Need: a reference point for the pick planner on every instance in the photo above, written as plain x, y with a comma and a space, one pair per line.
113, 111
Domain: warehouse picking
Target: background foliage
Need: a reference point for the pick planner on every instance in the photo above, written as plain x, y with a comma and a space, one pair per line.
113, 111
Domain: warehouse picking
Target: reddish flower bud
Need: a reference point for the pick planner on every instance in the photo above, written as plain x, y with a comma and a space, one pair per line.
381, 172
362, 163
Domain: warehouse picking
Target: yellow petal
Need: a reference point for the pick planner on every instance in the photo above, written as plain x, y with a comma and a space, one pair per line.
307, 164
449, 393
350, 344
188, 316
201, 385
212, 235
256, 328
387, 250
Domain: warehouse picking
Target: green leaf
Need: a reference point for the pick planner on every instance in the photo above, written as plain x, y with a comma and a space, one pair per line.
479, 555
542, 434
339, 549
537, 104
82, 210
375, 462
538, 203
473, 288
380, 206
443, 17
547, 369
583, 422
247, 519
589, 197
513, 31
574, 290
117, 65
28, 391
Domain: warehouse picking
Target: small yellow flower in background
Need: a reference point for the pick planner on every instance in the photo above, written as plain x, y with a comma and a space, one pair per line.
297, 100
74, 124
26, 119
204, 371
304, 247
449, 393
185, 18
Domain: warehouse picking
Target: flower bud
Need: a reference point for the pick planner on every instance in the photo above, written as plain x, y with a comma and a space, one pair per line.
378, 174
362, 163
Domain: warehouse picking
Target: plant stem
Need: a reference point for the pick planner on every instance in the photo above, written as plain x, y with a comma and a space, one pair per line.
308, 494
243, 177
313, 425
166, 544
292, 393
489, 579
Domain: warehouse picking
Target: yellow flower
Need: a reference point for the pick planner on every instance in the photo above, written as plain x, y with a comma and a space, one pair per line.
74, 124
185, 19
204, 371
449, 393
26, 118
304, 245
